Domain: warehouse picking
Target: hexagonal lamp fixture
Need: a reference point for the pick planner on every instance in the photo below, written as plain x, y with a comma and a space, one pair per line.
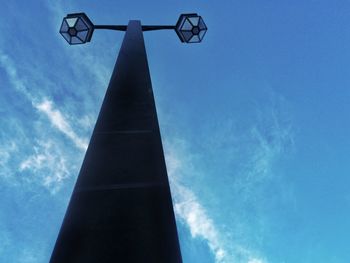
191, 28
77, 28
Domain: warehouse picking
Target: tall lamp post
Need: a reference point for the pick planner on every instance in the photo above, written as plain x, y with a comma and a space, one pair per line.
121, 208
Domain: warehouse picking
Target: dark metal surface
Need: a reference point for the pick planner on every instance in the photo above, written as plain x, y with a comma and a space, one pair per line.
152, 28
121, 208
111, 27
123, 28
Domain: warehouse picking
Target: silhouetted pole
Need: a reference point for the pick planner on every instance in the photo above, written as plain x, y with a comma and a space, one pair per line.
121, 208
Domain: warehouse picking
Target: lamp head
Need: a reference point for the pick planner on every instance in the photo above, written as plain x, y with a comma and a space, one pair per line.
77, 28
191, 28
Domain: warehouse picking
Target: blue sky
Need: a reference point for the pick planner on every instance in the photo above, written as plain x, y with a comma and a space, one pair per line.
254, 123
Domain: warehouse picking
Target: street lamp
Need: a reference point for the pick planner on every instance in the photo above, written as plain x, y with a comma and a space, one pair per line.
190, 28
77, 28
121, 208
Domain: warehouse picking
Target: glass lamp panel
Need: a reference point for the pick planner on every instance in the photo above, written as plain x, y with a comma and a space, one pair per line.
187, 35
81, 25
64, 26
187, 25
201, 24
183, 18
83, 35
195, 39
76, 40
202, 33
66, 36
194, 20
71, 21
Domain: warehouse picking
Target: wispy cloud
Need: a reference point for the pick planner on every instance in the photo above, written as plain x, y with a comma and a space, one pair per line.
47, 164
244, 156
7, 149
59, 122
7, 64
255, 260
188, 208
28, 256
44, 106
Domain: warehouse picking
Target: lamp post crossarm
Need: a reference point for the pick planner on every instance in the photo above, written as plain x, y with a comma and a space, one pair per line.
144, 28
111, 27
151, 28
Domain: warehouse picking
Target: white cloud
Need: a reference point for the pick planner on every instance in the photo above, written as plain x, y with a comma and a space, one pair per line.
42, 105
253, 152
255, 260
47, 165
7, 64
87, 122
189, 209
27, 256
6, 151
58, 121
